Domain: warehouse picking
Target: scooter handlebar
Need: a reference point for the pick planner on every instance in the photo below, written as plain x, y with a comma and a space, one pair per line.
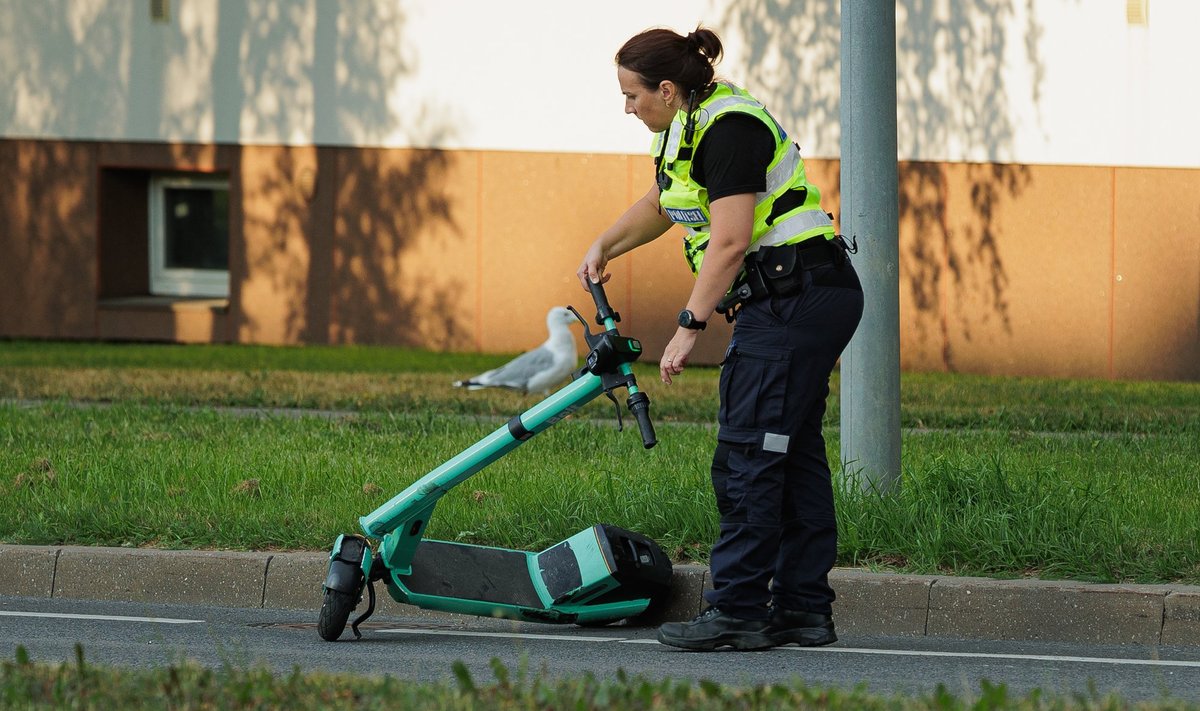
639, 404
603, 310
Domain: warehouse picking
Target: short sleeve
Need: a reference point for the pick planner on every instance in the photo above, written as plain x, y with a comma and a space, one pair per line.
733, 156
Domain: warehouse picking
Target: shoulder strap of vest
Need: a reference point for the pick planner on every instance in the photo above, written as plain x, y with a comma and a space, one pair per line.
738, 100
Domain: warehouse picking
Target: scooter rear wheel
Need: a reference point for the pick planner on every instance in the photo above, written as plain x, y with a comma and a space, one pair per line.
335, 611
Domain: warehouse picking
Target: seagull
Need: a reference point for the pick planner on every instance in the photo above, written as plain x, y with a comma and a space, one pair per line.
538, 369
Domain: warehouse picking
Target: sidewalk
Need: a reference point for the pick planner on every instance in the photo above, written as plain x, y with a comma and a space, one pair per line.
868, 603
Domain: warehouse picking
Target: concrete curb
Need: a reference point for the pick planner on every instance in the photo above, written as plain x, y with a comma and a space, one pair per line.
868, 604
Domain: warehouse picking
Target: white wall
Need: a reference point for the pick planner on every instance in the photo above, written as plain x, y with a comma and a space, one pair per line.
1109, 93
1033, 81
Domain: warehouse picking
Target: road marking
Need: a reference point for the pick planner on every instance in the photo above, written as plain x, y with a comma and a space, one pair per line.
112, 618
828, 650
989, 655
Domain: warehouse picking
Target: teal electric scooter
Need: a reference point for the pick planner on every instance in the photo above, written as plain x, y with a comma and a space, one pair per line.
599, 575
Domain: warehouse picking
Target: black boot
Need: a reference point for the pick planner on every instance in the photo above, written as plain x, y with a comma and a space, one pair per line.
807, 629
713, 628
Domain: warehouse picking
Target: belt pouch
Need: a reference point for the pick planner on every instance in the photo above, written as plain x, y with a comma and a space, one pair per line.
782, 269
777, 262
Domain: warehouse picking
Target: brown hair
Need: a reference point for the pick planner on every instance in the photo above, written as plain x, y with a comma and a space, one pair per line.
664, 55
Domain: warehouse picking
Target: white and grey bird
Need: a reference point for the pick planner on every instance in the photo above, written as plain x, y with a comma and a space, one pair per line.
539, 369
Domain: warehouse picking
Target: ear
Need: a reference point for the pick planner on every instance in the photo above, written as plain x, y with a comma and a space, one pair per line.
666, 90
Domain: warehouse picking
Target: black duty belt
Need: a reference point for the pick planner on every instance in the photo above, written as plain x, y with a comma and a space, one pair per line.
781, 271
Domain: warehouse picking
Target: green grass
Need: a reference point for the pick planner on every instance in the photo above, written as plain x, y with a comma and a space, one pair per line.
1048, 405
1087, 480
1102, 508
313, 359
392, 379
184, 686
133, 474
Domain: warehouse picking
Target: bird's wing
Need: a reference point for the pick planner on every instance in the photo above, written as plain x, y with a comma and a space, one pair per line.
517, 372
564, 365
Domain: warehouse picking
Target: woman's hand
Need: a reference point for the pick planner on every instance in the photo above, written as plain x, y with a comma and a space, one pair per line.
640, 224
675, 356
592, 268
732, 221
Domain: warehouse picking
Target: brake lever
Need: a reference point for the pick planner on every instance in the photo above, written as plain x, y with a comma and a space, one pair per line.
588, 338
617, 406
592, 341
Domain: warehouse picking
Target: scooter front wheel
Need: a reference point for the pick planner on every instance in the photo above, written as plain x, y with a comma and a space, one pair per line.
335, 611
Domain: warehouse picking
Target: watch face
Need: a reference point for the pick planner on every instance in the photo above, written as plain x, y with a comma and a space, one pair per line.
688, 320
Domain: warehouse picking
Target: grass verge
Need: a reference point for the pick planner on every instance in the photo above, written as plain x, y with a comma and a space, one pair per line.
975, 502
181, 446
27, 685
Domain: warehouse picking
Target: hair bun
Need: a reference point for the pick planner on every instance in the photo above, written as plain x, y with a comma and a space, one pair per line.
693, 42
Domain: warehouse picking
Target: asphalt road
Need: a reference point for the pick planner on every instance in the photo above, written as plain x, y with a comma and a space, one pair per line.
150, 635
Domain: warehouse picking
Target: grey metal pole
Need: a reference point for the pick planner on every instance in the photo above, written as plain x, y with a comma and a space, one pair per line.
870, 369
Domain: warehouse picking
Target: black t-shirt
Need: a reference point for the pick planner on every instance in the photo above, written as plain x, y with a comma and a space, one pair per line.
733, 156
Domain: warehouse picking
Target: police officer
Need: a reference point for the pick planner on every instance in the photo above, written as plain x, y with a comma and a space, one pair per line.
760, 246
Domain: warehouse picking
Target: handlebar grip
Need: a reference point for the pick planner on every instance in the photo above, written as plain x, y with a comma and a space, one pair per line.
603, 310
639, 404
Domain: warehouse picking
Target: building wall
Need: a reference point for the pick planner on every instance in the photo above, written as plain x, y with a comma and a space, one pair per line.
1005, 81
1080, 271
402, 173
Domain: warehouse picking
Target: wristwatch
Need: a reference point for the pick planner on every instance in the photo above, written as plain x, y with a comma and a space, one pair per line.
688, 320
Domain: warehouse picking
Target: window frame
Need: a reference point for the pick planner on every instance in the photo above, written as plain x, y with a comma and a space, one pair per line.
164, 281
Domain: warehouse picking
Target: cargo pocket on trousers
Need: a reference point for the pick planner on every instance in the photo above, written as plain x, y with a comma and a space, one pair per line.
754, 393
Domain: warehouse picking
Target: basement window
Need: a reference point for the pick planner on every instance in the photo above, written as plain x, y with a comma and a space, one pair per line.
189, 236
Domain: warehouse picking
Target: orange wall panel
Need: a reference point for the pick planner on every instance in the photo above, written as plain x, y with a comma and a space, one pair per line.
1027, 277
271, 265
439, 272
403, 269
1156, 320
924, 245
1070, 271
540, 213
48, 265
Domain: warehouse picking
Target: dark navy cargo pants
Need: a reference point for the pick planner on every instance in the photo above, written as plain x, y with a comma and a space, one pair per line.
778, 537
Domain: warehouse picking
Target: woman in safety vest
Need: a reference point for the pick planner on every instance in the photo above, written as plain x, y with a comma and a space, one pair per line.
764, 252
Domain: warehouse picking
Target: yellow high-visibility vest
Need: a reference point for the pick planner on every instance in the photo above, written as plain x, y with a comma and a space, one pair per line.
685, 202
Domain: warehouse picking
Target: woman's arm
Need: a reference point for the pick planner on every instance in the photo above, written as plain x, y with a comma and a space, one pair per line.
640, 224
732, 225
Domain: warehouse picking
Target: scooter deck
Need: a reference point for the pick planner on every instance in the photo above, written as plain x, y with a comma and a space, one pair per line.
472, 573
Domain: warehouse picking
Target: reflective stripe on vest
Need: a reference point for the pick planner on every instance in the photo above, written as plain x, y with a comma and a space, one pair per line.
787, 229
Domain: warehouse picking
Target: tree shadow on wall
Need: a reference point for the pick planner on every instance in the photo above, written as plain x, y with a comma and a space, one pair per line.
792, 54
968, 254
56, 59
47, 191
386, 200
793, 51
334, 228
49, 201
386, 292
